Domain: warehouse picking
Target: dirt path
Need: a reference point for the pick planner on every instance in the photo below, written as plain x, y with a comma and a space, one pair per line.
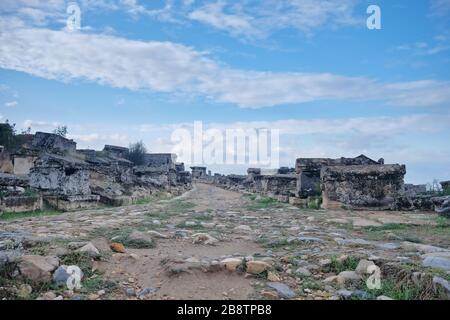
165, 258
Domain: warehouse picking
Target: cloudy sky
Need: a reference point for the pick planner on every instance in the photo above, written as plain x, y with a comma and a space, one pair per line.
310, 68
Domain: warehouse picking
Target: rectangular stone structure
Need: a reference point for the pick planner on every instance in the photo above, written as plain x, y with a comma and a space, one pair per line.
362, 186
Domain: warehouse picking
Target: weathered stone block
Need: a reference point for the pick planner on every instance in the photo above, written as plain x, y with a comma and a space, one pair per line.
362, 186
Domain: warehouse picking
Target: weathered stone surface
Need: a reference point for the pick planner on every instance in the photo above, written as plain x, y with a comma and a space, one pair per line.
363, 265
53, 143
203, 238
37, 268
231, 264
198, 172
309, 172
90, 250
350, 276
256, 267
441, 284
61, 175
442, 205
141, 237
21, 203
371, 186
7, 179
439, 260
282, 289
118, 247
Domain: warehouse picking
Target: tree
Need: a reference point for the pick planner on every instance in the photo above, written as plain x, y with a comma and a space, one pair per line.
7, 134
136, 153
9, 138
61, 131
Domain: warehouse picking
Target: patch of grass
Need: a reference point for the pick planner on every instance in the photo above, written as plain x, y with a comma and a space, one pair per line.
273, 244
41, 249
180, 205
337, 266
161, 215
203, 217
411, 238
29, 193
80, 259
396, 291
314, 203
436, 233
250, 196
28, 214
111, 232
442, 222
410, 268
193, 227
264, 203
136, 243
386, 227
122, 235
145, 200
345, 226
309, 282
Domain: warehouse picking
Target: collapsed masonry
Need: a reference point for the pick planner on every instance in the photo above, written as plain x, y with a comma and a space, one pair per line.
51, 169
353, 183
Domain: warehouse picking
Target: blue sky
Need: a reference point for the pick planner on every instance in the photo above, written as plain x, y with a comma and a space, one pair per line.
311, 68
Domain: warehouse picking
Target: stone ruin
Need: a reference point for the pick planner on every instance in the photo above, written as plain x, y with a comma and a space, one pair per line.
309, 172
199, 173
279, 184
51, 171
352, 183
362, 186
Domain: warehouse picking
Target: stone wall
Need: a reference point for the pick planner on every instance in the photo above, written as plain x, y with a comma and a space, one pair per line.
6, 164
116, 151
23, 164
52, 143
280, 186
10, 180
362, 186
198, 172
160, 160
308, 170
58, 175
20, 203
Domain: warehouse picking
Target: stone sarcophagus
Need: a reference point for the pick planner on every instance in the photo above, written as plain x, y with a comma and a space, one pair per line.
308, 171
362, 186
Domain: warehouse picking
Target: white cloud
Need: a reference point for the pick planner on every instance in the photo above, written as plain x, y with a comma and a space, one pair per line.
40, 125
440, 7
238, 24
11, 104
441, 44
259, 19
172, 68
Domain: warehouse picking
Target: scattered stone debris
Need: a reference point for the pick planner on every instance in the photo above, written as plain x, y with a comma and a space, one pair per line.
203, 238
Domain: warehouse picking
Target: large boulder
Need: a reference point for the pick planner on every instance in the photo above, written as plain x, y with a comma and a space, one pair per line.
38, 268
442, 205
